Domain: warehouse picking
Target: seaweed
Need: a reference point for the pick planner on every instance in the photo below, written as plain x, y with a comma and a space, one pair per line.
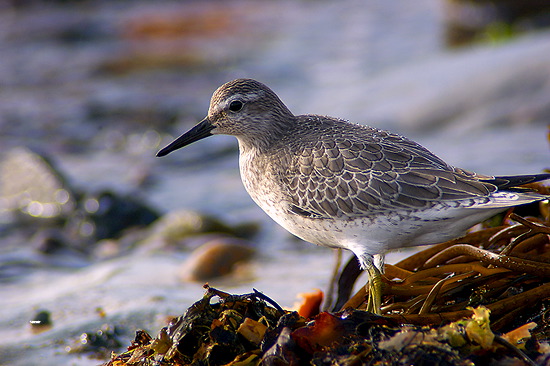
478, 300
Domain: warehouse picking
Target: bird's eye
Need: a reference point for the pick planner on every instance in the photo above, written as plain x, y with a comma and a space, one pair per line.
235, 106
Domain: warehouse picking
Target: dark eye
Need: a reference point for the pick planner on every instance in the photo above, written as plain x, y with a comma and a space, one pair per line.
235, 106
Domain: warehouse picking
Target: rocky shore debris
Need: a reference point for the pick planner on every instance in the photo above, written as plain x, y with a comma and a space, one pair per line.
38, 202
479, 300
224, 329
36, 195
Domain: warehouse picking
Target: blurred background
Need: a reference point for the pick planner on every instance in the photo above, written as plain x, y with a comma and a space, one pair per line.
99, 238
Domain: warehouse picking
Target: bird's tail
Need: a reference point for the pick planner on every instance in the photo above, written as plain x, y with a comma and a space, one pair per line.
512, 182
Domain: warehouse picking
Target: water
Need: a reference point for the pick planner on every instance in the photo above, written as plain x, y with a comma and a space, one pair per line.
100, 87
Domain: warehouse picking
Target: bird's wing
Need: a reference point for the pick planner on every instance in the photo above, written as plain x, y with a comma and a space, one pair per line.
346, 177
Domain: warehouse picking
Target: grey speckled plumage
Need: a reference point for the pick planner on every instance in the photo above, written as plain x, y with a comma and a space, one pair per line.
342, 185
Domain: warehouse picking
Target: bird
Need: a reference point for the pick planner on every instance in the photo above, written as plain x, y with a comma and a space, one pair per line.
338, 184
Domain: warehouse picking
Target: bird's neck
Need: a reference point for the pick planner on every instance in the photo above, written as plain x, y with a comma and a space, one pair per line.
264, 137
254, 145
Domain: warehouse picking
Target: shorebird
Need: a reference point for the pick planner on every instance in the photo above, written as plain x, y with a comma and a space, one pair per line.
344, 185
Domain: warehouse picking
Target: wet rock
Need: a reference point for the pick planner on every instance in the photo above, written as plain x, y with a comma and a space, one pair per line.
176, 227
49, 241
97, 343
216, 258
41, 322
30, 185
107, 215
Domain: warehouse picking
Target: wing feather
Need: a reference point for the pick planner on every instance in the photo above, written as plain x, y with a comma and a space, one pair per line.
350, 176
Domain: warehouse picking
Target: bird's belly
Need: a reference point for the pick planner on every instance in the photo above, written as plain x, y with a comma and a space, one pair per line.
375, 235
316, 231
378, 233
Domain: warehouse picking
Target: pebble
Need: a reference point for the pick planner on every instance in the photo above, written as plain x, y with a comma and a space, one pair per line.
216, 258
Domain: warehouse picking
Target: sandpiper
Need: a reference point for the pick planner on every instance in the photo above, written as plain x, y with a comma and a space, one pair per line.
343, 185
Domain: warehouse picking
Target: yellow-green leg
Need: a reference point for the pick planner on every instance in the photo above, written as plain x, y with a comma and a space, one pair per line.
374, 289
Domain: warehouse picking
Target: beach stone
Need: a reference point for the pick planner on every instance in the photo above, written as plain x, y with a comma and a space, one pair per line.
29, 184
177, 226
216, 258
49, 241
41, 322
111, 213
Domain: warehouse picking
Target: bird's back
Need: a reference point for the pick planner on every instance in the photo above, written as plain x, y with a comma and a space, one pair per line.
330, 168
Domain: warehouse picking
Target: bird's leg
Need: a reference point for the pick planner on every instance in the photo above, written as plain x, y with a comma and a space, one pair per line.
374, 287
374, 290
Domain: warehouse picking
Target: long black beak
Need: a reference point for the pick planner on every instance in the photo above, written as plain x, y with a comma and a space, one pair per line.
200, 131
